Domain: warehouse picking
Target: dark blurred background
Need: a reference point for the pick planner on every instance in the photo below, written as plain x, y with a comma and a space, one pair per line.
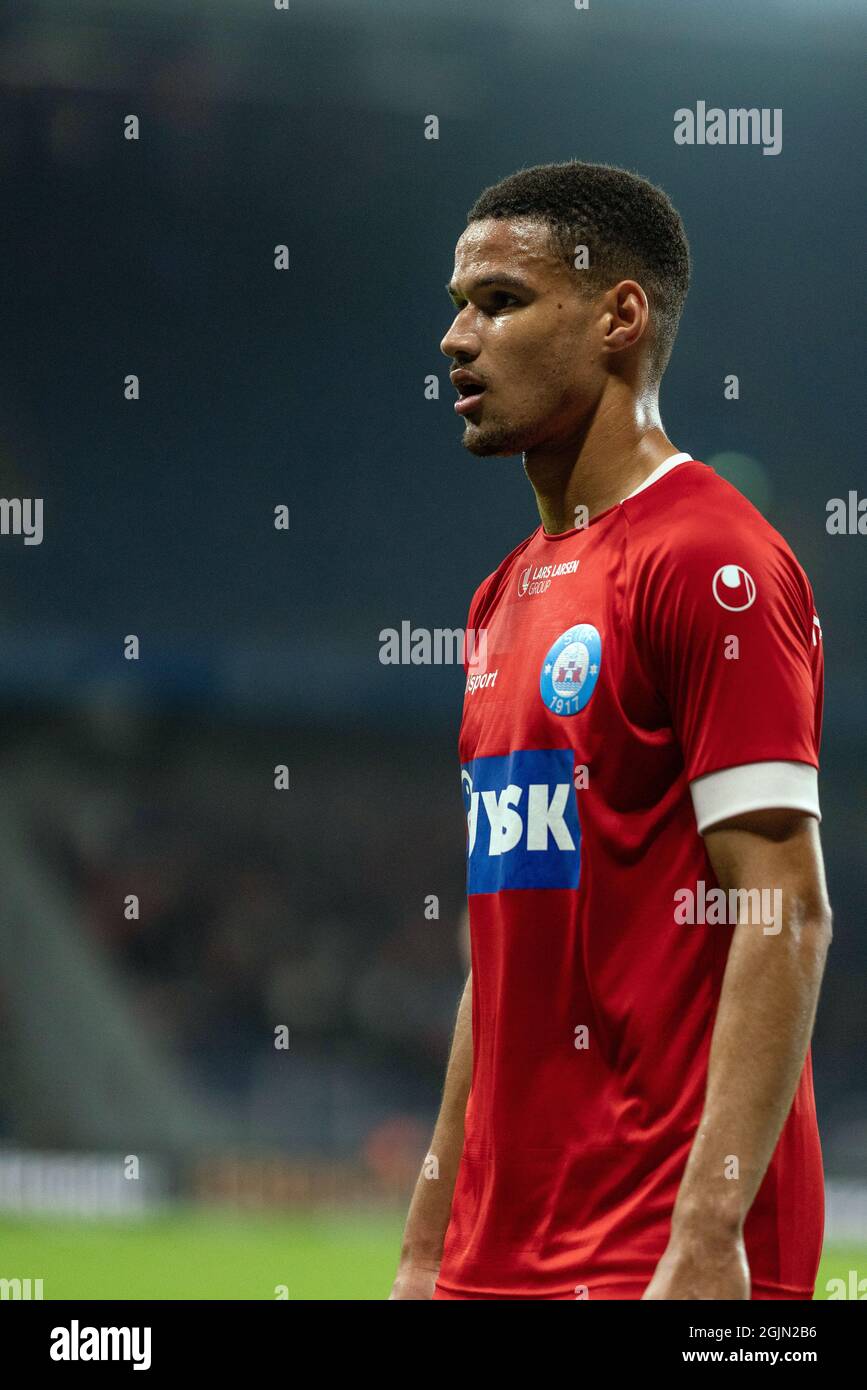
309, 907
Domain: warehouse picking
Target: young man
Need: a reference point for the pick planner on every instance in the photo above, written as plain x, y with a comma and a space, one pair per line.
628, 1110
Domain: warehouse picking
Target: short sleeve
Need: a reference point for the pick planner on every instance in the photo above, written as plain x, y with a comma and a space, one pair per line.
730, 634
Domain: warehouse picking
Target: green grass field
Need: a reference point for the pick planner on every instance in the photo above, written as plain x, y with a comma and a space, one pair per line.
211, 1255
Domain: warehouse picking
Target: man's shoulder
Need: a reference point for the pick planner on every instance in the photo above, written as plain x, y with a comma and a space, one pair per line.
692, 514
700, 546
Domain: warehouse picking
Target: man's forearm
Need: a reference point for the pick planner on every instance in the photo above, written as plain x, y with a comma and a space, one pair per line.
431, 1203
764, 1021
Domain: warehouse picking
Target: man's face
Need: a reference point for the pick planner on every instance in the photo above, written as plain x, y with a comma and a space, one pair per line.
525, 331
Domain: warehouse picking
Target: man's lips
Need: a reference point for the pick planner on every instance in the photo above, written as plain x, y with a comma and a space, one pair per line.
471, 390
466, 404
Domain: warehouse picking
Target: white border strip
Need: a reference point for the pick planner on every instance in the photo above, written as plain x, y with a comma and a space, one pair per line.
755, 787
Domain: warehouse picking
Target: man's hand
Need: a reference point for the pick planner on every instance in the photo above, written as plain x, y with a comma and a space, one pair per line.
414, 1281
701, 1267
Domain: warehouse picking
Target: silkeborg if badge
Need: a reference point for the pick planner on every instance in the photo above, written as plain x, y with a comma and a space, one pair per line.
570, 669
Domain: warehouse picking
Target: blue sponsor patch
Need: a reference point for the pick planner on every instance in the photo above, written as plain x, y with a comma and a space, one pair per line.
522, 821
570, 669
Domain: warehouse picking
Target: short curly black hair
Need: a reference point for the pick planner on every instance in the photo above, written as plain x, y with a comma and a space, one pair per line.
629, 226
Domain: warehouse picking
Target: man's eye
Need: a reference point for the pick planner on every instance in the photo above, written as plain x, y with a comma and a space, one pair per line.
501, 300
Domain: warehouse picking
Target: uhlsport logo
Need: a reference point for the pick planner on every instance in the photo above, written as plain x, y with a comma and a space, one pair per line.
522, 821
570, 669
734, 588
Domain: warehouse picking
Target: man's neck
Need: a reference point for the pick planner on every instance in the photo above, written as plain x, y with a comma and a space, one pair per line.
612, 459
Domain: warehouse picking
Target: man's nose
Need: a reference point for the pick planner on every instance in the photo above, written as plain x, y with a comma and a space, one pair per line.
461, 341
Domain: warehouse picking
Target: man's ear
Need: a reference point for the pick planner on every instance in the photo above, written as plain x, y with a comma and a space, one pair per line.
628, 315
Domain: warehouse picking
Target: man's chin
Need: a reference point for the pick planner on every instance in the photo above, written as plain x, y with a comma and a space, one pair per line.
488, 444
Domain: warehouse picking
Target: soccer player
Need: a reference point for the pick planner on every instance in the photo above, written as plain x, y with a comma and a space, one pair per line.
628, 1110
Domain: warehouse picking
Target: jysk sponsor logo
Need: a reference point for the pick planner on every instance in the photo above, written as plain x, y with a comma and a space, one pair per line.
570, 669
535, 579
522, 821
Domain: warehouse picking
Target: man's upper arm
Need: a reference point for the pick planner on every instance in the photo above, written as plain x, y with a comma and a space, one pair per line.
774, 849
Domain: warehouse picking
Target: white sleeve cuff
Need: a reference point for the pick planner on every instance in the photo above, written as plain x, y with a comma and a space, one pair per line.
754, 787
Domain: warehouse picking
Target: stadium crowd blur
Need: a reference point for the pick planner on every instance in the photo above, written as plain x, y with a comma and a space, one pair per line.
261, 909
336, 917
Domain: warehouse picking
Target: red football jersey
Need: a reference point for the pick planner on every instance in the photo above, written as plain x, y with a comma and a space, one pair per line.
652, 672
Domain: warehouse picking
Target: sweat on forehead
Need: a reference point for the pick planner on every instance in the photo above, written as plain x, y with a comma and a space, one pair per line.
518, 252
526, 238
